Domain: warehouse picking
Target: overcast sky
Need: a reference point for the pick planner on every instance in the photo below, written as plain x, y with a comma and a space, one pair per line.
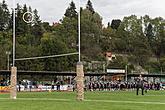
53, 10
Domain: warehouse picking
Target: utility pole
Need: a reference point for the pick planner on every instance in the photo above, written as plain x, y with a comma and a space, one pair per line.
8, 59
161, 71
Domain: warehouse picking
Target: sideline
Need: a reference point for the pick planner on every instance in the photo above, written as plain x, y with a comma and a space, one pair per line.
125, 101
44, 99
88, 100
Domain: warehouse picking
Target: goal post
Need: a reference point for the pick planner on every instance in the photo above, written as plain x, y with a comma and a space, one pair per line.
13, 77
13, 84
80, 81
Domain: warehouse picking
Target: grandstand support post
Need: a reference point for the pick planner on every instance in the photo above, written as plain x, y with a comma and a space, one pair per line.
126, 73
80, 81
13, 83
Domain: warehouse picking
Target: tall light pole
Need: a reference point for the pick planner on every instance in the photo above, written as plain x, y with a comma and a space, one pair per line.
161, 71
126, 72
13, 33
8, 59
79, 33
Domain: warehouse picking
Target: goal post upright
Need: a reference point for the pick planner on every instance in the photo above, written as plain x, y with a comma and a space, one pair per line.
79, 66
13, 83
13, 76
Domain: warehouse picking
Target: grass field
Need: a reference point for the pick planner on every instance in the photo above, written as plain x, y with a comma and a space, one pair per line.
118, 100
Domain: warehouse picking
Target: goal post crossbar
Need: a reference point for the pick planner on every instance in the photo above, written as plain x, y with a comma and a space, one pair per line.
51, 56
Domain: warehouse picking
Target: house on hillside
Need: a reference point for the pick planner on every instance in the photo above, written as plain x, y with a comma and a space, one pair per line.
109, 56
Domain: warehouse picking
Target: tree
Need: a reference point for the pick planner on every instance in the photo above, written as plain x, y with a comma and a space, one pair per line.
24, 51
47, 27
21, 26
157, 41
91, 30
54, 45
37, 28
108, 25
108, 40
71, 11
162, 34
36, 20
115, 23
136, 43
149, 33
70, 31
5, 45
4, 16
26, 26
90, 7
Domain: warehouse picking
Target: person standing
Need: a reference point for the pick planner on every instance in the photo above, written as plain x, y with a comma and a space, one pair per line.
58, 85
140, 84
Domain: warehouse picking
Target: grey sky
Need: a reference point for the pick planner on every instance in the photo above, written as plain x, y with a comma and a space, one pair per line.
53, 10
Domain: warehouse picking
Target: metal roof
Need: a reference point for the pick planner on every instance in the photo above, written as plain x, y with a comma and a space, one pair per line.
22, 72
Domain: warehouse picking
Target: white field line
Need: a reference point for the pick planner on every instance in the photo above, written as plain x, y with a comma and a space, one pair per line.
125, 101
88, 100
53, 99
155, 95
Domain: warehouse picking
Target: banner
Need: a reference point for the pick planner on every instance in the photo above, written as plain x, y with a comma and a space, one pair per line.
115, 71
4, 88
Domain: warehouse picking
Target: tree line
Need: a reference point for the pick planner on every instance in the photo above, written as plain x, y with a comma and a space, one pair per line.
135, 40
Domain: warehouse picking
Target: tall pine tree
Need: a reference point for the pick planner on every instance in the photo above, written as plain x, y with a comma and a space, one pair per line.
90, 7
149, 33
19, 21
4, 16
71, 11
115, 23
37, 28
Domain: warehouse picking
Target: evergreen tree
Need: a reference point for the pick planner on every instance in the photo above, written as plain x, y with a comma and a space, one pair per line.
115, 23
22, 28
4, 16
108, 25
90, 7
91, 30
36, 20
37, 28
26, 26
19, 22
149, 33
71, 11
157, 42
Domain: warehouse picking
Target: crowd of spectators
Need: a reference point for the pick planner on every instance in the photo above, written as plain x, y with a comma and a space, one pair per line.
118, 85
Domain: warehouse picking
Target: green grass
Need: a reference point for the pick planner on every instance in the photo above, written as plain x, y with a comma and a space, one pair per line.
118, 100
